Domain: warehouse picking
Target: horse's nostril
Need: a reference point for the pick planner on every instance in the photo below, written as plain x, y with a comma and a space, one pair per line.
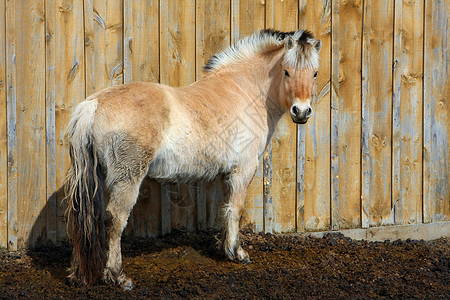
308, 112
295, 110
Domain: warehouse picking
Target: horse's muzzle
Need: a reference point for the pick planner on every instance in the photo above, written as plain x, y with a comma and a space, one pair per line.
300, 116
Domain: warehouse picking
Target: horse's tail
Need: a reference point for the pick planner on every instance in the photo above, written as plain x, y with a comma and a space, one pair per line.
84, 191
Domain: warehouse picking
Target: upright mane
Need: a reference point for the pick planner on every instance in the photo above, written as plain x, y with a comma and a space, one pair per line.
264, 41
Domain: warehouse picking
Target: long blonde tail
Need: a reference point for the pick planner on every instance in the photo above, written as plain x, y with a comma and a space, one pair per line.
84, 191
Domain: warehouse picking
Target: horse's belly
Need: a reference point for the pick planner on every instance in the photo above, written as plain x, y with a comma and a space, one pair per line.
182, 167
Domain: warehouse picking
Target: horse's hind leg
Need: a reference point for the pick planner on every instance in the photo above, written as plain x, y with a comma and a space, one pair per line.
126, 168
123, 196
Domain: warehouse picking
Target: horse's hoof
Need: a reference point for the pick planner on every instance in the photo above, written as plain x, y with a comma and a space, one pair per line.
127, 285
125, 282
72, 280
246, 261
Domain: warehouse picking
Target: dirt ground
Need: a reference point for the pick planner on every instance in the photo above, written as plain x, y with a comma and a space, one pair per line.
186, 265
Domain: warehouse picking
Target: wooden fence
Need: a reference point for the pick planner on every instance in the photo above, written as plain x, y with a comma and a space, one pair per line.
375, 152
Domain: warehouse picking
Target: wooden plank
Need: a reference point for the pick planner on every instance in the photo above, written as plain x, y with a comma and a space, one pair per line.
346, 107
141, 63
267, 189
282, 15
141, 41
26, 122
11, 92
317, 18
300, 210
166, 223
50, 48
377, 102
365, 155
407, 112
103, 44
177, 68
65, 88
436, 152
213, 28
335, 117
251, 18
177, 32
214, 194
247, 18
3, 133
183, 210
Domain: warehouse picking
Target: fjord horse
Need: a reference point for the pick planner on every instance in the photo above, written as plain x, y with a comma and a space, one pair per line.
220, 124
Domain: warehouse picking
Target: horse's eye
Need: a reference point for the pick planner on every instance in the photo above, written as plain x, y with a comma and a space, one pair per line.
315, 74
286, 73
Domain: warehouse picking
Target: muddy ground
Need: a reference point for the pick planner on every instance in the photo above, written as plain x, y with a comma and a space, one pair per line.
183, 265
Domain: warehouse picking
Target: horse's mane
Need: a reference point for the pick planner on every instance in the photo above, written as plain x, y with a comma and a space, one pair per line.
264, 41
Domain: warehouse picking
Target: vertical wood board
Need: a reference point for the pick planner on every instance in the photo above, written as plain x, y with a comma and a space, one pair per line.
436, 152
335, 120
103, 44
317, 18
141, 41
65, 88
282, 15
177, 30
349, 113
407, 112
3, 133
28, 28
11, 92
377, 99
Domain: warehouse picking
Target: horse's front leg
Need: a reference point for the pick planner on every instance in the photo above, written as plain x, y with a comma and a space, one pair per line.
238, 182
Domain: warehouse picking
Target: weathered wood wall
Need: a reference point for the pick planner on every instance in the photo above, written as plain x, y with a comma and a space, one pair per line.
375, 152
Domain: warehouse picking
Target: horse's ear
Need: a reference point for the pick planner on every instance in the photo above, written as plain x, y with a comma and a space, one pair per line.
318, 45
289, 44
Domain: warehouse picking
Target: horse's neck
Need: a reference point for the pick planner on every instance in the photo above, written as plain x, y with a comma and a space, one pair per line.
261, 80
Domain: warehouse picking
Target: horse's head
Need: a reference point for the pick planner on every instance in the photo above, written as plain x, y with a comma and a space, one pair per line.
300, 68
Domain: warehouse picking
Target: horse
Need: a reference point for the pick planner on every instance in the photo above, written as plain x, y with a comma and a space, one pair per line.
220, 124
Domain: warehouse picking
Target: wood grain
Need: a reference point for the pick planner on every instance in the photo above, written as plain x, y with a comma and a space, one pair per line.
407, 112
141, 41
317, 18
65, 88
26, 122
103, 44
346, 112
177, 32
377, 117
11, 92
282, 15
3, 133
436, 152
141, 63
335, 117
